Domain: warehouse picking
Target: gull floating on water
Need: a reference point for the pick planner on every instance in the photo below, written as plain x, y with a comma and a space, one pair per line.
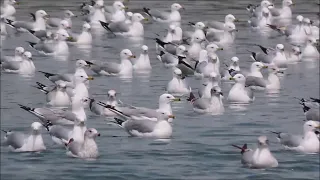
161, 16
20, 142
8, 10
262, 157
177, 86
25, 66
239, 93
55, 22
99, 110
246, 154
143, 62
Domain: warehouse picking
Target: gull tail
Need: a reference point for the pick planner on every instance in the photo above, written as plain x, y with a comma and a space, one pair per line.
41, 87
46, 74
264, 49
47, 125
146, 10
9, 22
305, 108
161, 43
191, 97
253, 55
191, 23
69, 142
31, 44
106, 26
243, 148
181, 61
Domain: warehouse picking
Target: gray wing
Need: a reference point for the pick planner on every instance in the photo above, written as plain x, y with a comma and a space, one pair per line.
60, 132
142, 126
169, 59
54, 22
216, 25
159, 14
46, 114
247, 157
249, 92
261, 57
170, 48
68, 115
201, 103
119, 27
74, 147
11, 65
254, 22
95, 108
187, 34
313, 114
290, 140
214, 36
186, 69
23, 24
150, 113
111, 67
255, 81
274, 12
43, 47
200, 67
15, 139
6, 58
40, 34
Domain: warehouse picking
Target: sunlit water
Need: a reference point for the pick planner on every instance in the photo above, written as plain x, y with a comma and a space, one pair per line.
200, 148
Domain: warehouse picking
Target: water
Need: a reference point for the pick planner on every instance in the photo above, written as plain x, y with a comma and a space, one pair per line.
200, 147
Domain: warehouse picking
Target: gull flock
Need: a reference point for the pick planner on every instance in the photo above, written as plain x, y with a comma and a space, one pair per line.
190, 55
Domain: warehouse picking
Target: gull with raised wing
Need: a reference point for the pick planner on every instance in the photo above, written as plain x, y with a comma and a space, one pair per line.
246, 154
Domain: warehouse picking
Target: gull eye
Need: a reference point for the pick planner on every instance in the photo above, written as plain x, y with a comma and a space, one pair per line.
81, 76
310, 125
168, 97
90, 131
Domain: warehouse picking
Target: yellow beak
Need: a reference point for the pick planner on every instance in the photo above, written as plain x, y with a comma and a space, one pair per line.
146, 19
176, 99
125, 8
220, 49
232, 78
265, 67
90, 78
171, 116
132, 56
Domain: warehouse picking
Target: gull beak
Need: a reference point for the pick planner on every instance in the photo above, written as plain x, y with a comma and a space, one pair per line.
68, 27
318, 127
98, 134
220, 48
183, 8
46, 17
236, 20
132, 57
281, 72
171, 116
221, 93
232, 78
87, 65
125, 8
293, 4
176, 99
146, 19
70, 38
90, 78
17, 3
265, 67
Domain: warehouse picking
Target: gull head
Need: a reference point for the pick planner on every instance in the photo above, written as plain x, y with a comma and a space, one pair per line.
307, 21
118, 6
280, 47
137, 17
230, 27
81, 76
235, 59
239, 78
167, 98
126, 54
99, 4
200, 25
287, 3
86, 27
91, 133
257, 66
62, 35
181, 50
68, 14
27, 55
213, 47
216, 91
41, 14
62, 85
299, 18
11, 2
177, 73
81, 63
273, 69
265, 12
176, 7
64, 24
19, 51
164, 115
296, 50
144, 49
172, 28
230, 18
312, 41
311, 126
36, 126
266, 4
129, 14
263, 141
112, 94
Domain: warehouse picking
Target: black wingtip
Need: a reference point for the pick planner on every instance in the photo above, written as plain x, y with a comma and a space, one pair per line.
33, 16
315, 100
26, 107
88, 62
146, 10
264, 49
119, 121
46, 74
31, 31
161, 43
32, 44
106, 27
191, 97
9, 22
161, 53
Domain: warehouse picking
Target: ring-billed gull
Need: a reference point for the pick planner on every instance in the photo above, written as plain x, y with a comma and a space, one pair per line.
310, 51
59, 134
18, 53
294, 55
233, 67
84, 38
167, 47
205, 90
8, 10
239, 93
20, 142
201, 64
97, 14
195, 47
169, 59
143, 62
99, 110
56, 96
224, 38
284, 12
68, 15
273, 81
87, 149
25, 66
39, 24
118, 12
160, 129
177, 86
143, 113
212, 105
246, 154
110, 68
280, 58
135, 29
220, 26
199, 28
213, 64
311, 113
262, 157
255, 78
162, 16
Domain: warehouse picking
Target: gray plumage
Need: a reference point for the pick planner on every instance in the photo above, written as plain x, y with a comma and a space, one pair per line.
142, 126
14, 139
108, 67
255, 81
11, 65
59, 132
